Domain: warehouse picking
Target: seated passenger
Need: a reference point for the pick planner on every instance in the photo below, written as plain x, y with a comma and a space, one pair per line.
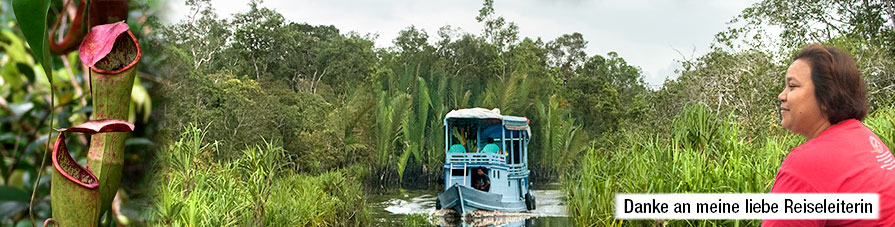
482, 181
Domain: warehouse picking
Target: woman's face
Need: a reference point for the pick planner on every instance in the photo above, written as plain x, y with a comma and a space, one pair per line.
799, 109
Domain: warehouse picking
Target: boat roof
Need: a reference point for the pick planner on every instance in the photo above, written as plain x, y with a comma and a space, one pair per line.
482, 113
510, 122
476, 113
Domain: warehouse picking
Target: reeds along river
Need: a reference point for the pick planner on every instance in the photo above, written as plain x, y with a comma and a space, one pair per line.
393, 208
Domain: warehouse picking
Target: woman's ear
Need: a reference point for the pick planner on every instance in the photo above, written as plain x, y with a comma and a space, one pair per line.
823, 111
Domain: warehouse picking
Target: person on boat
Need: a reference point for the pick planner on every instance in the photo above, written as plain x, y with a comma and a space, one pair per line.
824, 100
481, 181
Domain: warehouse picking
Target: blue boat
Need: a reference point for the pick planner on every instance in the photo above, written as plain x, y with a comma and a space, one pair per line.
486, 162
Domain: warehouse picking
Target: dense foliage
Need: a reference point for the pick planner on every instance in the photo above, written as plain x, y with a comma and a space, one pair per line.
335, 100
724, 135
705, 153
196, 190
336, 103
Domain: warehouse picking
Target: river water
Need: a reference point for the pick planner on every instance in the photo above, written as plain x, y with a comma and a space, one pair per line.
390, 208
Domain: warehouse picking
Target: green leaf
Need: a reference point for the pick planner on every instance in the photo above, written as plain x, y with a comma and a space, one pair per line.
12, 201
11, 76
8, 194
25, 223
3, 169
138, 142
20, 108
11, 208
141, 100
14, 47
402, 163
26, 70
32, 18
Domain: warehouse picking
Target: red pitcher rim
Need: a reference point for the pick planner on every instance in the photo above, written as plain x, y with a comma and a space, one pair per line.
129, 65
59, 141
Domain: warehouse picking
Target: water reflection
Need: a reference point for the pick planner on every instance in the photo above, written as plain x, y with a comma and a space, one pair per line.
390, 209
537, 221
501, 220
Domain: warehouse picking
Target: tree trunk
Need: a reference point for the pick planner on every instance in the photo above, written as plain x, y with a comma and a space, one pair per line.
890, 7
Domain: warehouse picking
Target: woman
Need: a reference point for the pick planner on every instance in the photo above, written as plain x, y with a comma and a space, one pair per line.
825, 100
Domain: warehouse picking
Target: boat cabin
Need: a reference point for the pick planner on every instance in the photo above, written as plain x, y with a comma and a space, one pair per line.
481, 139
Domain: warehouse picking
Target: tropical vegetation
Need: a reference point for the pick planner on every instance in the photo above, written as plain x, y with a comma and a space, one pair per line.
723, 135
335, 109
335, 100
283, 103
195, 189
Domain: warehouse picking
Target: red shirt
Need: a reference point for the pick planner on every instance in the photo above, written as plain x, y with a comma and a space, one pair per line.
845, 158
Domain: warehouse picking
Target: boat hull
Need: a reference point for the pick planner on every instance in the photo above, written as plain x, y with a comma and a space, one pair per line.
465, 199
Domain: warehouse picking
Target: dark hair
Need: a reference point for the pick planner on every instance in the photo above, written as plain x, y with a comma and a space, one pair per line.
838, 87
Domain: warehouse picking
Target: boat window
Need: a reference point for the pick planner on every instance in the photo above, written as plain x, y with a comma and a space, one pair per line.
457, 172
465, 136
481, 182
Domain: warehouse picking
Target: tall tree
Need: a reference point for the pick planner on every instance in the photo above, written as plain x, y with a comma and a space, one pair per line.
255, 38
202, 35
607, 92
566, 54
497, 30
809, 21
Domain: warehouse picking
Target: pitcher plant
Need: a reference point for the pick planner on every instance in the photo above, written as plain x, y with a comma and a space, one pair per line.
74, 192
112, 52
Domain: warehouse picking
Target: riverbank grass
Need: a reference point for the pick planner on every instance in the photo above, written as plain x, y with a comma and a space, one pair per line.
195, 188
704, 154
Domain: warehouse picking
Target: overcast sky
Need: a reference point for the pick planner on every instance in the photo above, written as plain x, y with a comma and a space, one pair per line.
650, 34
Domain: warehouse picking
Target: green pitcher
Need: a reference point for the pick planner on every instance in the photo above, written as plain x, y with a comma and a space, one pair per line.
111, 85
74, 190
